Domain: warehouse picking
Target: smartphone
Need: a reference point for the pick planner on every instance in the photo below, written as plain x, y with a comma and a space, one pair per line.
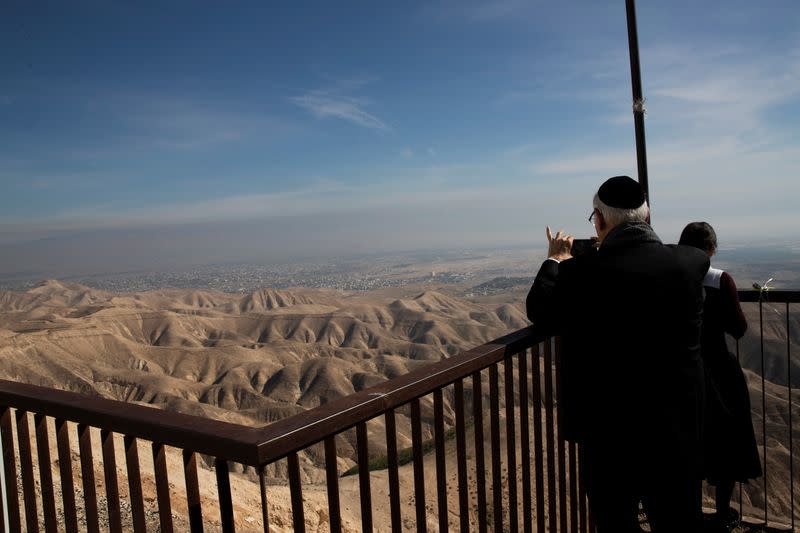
583, 246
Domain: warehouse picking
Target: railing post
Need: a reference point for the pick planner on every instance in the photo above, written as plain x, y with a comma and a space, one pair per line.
88, 479
135, 483
192, 491
363, 477
224, 495
565, 448
45, 473
763, 409
561, 444
162, 487
11, 495
494, 423
525, 445
262, 481
394, 477
419, 472
480, 461
441, 474
67, 483
552, 456
332, 478
296, 490
112, 487
461, 458
538, 440
3, 491
26, 466
511, 443
739, 360
573, 486
791, 426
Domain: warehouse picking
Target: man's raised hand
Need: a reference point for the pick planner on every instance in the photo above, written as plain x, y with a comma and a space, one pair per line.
558, 247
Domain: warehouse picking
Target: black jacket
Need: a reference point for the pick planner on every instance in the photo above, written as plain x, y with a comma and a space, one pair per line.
629, 316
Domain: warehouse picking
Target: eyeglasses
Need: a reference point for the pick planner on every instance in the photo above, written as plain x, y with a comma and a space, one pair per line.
591, 217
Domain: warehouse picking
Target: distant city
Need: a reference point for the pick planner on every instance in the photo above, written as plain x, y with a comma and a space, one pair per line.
233, 278
470, 272
362, 274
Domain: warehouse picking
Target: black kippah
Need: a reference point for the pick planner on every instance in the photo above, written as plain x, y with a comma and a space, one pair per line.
621, 192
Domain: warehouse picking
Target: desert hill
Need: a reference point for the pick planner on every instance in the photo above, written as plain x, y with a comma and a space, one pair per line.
261, 356
775, 342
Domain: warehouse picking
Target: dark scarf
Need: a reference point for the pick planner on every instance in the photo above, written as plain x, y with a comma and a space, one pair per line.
629, 233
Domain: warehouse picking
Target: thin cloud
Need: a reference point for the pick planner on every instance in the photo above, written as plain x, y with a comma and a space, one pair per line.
180, 125
676, 154
235, 207
429, 188
348, 109
126, 122
731, 84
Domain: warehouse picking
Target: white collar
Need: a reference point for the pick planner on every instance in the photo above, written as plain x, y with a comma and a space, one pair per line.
713, 277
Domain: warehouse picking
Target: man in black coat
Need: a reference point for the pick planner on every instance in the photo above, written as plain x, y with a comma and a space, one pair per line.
631, 388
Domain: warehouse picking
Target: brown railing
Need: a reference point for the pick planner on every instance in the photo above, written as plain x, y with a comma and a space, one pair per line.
489, 415
512, 473
766, 350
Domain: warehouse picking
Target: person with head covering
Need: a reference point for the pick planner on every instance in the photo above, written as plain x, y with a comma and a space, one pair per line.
731, 452
631, 377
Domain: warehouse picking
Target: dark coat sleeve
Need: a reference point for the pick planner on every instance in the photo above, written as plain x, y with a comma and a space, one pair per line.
545, 307
542, 302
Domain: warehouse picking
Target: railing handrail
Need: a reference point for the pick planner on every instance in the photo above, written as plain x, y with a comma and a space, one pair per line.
304, 429
769, 295
257, 446
204, 435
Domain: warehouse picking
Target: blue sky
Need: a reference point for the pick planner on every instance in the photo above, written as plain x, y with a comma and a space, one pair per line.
383, 125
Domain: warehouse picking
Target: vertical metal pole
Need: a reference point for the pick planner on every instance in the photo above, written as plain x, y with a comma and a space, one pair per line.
394, 475
362, 445
419, 468
791, 428
638, 99
763, 409
332, 479
480, 466
193, 504
494, 429
461, 458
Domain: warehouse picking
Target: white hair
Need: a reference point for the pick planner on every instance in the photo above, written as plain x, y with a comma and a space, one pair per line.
615, 216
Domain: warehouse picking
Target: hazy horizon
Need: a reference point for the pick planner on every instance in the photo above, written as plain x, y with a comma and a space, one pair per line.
73, 260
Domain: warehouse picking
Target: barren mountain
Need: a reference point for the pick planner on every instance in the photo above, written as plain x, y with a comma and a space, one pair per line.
252, 358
